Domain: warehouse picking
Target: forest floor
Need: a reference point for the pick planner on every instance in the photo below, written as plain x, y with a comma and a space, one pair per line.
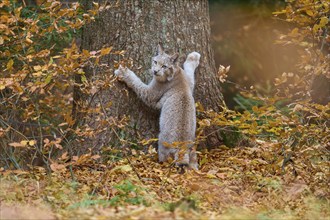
238, 183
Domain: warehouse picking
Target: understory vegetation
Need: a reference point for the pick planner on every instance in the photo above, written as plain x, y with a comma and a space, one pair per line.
278, 170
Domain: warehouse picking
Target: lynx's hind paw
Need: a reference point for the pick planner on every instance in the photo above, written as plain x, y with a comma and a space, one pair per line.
182, 165
193, 166
181, 168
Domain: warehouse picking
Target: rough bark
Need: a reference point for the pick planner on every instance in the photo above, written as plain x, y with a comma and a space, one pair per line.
137, 27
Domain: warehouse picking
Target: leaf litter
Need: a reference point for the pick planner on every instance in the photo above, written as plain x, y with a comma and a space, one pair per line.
232, 183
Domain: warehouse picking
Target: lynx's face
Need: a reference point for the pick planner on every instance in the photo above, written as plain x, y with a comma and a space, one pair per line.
163, 66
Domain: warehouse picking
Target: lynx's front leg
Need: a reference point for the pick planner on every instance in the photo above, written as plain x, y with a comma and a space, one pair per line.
129, 77
144, 92
190, 66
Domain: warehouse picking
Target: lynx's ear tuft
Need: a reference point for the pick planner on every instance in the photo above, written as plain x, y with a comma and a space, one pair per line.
160, 49
174, 58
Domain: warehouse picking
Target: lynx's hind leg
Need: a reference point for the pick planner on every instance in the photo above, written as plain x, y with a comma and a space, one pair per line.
190, 66
193, 161
162, 153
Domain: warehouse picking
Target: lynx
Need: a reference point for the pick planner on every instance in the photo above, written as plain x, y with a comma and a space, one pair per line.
171, 91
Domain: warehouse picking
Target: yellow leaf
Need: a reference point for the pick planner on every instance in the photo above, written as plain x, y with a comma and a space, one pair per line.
48, 79
209, 197
32, 142
210, 176
279, 12
294, 32
123, 168
316, 28
255, 108
10, 64
83, 79
24, 143
323, 21
126, 168
149, 141
310, 13
85, 52
37, 74
86, 16
105, 51
203, 161
28, 40
37, 68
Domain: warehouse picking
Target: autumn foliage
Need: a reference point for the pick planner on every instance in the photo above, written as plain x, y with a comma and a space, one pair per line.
281, 158
41, 69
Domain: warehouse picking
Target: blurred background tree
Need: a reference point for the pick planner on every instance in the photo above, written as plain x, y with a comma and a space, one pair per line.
244, 33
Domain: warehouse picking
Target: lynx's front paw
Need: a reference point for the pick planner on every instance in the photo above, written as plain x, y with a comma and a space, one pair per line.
193, 59
121, 72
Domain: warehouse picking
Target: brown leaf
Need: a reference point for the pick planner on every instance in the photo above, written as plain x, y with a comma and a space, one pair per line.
57, 167
221, 175
295, 189
20, 144
95, 157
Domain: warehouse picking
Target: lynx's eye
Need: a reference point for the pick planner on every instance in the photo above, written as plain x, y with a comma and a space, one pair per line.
164, 66
155, 62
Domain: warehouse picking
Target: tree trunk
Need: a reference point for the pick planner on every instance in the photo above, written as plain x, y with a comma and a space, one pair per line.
137, 27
